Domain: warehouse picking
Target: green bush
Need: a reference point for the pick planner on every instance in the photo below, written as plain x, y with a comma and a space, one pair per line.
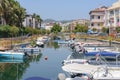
8, 31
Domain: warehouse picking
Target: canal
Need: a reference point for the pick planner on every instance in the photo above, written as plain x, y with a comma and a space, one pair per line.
46, 65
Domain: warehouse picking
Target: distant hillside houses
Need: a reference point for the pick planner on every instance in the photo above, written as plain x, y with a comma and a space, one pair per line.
66, 26
78, 21
48, 25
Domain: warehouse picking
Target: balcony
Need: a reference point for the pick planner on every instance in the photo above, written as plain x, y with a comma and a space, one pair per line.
97, 20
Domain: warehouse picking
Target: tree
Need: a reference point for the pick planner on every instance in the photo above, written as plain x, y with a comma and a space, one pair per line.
11, 12
38, 20
56, 28
28, 30
17, 14
105, 30
14, 31
4, 31
81, 28
3, 8
118, 29
94, 29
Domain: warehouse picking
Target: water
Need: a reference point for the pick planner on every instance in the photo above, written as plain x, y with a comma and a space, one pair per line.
37, 66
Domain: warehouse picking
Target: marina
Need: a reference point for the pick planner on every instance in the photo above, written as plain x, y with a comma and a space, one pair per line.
56, 41
58, 58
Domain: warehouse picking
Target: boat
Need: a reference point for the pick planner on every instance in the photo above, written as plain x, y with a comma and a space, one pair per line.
92, 72
95, 47
103, 53
40, 42
91, 69
45, 39
12, 55
80, 61
74, 58
79, 70
64, 41
77, 48
30, 50
5, 60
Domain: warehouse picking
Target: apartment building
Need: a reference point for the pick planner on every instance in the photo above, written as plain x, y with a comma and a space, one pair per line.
113, 15
30, 21
97, 18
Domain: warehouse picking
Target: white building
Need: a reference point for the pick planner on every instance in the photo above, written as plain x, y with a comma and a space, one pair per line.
113, 15
65, 26
97, 18
30, 21
48, 26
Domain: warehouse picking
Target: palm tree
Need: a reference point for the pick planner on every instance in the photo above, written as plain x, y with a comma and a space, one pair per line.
17, 14
3, 10
38, 20
11, 12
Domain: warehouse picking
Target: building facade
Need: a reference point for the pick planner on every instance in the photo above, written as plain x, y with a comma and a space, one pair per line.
73, 24
97, 18
30, 21
48, 25
113, 15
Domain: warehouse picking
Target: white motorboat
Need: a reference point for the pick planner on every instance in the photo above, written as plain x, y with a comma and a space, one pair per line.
93, 71
70, 61
40, 41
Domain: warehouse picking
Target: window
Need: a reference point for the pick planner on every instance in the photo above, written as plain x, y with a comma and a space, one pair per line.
92, 24
98, 24
117, 20
117, 11
92, 17
111, 13
98, 17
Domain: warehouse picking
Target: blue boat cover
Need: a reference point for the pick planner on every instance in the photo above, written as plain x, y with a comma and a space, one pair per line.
36, 78
102, 53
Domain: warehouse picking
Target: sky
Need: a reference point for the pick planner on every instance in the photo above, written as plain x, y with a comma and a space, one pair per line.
63, 9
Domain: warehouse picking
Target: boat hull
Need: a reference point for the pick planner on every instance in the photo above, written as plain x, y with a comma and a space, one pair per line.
11, 55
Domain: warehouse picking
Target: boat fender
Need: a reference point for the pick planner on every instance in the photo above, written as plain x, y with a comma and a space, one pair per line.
46, 57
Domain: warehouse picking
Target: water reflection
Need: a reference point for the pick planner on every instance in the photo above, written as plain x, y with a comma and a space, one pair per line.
52, 44
14, 69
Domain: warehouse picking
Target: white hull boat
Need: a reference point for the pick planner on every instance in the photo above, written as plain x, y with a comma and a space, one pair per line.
94, 72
